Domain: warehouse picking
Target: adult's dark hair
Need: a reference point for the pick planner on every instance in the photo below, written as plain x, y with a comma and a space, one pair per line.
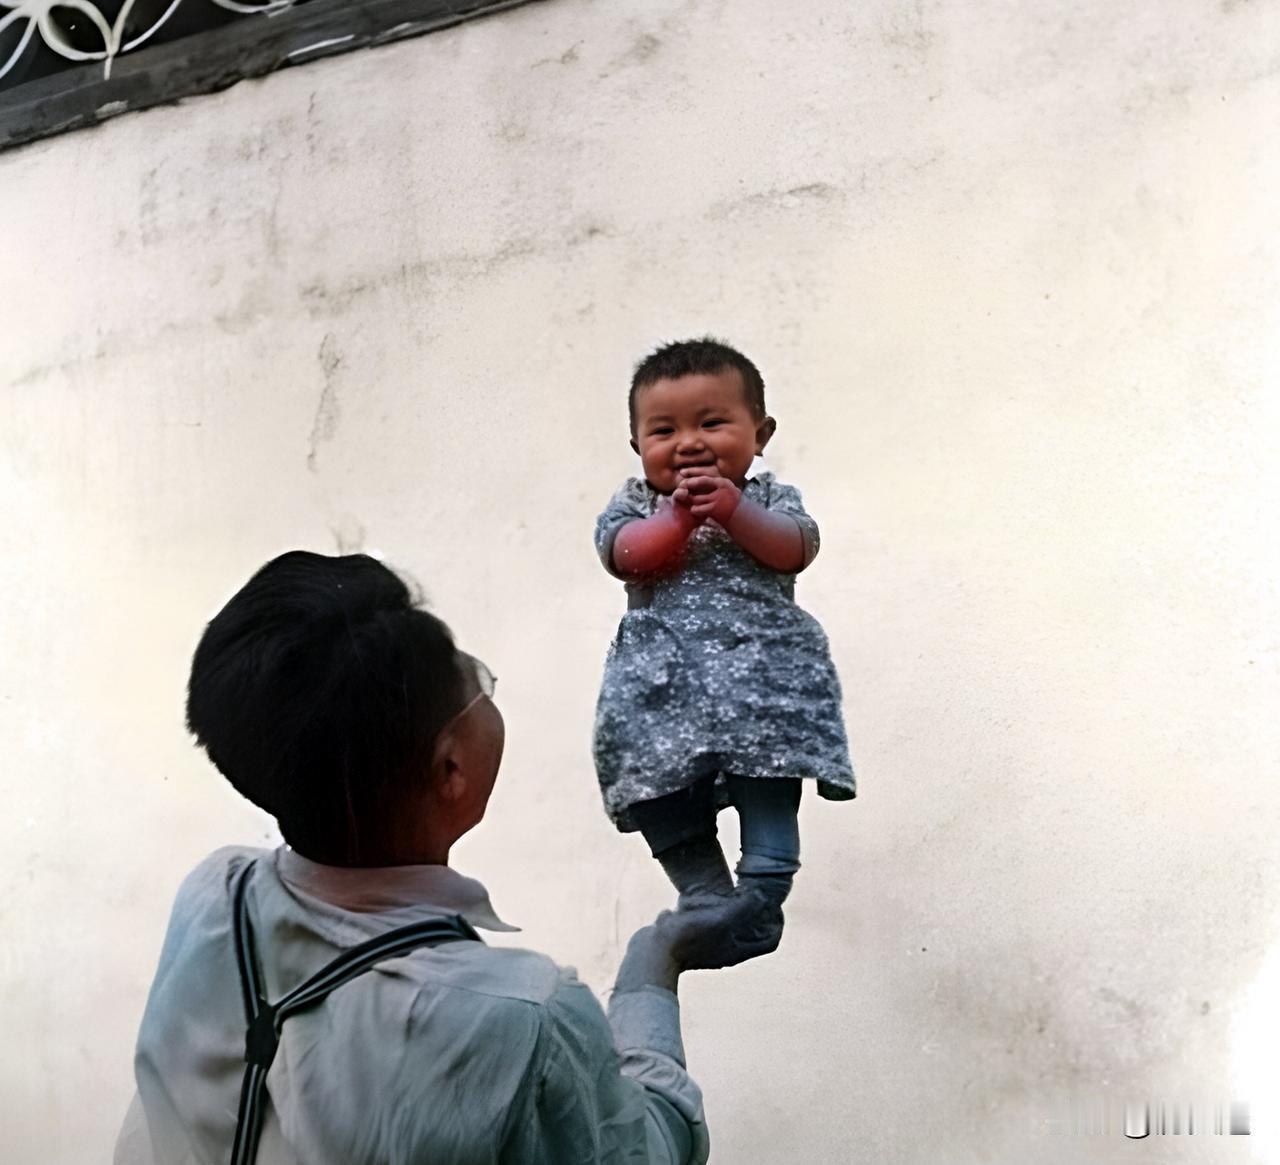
318, 692
691, 357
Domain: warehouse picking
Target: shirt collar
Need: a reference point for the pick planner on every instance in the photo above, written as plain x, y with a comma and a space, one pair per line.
367, 890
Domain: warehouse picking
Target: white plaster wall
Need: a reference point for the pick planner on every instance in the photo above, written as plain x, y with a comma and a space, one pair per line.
1010, 270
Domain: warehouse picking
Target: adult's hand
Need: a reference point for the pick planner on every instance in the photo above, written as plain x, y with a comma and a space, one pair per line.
724, 934
702, 938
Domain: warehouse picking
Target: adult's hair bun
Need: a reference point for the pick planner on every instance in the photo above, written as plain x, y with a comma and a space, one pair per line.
321, 587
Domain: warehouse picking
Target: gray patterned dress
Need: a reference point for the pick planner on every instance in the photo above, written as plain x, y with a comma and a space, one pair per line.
714, 669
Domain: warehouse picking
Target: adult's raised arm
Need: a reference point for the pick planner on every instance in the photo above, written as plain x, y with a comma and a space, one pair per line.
618, 1089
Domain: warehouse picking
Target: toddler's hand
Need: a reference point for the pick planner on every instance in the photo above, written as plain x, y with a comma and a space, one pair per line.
710, 495
681, 501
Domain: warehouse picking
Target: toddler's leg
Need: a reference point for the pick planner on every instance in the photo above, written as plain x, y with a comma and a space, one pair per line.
681, 831
767, 808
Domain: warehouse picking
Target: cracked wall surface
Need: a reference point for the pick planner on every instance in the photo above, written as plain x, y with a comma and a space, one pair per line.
1010, 272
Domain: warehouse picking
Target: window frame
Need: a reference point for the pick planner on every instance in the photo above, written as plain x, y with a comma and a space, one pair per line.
205, 62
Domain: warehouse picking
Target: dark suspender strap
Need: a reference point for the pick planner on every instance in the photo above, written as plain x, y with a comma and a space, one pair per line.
263, 1019
249, 1114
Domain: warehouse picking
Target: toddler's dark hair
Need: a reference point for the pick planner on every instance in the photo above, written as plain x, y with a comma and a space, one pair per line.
318, 692
690, 357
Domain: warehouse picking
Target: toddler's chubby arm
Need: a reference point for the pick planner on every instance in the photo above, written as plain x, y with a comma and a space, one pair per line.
773, 539
646, 545
770, 537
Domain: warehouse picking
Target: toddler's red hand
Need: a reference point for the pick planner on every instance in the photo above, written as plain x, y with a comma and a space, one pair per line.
681, 502
711, 496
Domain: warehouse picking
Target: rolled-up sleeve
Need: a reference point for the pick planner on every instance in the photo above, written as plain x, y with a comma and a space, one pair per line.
646, 1031
609, 1091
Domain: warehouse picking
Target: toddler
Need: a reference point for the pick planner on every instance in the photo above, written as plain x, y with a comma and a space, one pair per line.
718, 689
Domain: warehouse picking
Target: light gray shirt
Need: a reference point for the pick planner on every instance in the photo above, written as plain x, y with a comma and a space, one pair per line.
459, 1054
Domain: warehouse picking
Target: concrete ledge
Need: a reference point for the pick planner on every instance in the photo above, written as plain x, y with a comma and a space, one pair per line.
209, 61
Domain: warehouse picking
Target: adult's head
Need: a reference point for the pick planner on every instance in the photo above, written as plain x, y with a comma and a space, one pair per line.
327, 696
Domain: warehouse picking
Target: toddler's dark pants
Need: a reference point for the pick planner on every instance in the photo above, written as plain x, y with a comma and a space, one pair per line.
766, 806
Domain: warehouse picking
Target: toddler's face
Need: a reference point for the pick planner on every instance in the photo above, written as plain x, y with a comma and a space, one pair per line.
702, 419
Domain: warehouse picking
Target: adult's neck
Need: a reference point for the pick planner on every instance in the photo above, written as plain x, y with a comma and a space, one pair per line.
379, 858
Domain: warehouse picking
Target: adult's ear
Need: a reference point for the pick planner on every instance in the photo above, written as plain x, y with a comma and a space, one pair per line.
448, 782
764, 431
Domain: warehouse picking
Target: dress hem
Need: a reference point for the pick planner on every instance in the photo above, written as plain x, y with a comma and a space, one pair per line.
828, 790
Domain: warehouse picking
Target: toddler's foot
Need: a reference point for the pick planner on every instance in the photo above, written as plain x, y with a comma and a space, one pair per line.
768, 891
725, 932
770, 888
